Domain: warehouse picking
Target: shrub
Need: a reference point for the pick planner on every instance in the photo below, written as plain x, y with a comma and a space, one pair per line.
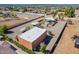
3, 29
20, 46
70, 11
42, 49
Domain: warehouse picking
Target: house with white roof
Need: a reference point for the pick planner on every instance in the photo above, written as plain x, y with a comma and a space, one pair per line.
49, 18
32, 38
35, 23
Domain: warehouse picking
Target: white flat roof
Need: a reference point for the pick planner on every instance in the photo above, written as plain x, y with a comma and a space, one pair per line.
49, 18
32, 34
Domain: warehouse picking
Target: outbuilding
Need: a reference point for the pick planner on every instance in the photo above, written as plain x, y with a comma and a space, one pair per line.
32, 38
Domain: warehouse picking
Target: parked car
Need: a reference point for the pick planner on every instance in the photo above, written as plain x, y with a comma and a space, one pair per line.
77, 42
1, 37
23, 29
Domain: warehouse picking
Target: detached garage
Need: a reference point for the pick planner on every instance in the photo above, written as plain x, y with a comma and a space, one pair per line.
32, 37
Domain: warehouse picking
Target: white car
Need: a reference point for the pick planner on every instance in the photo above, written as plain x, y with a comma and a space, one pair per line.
23, 29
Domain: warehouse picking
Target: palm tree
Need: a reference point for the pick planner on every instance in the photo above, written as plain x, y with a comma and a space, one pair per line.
50, 33
54, 13
60, 16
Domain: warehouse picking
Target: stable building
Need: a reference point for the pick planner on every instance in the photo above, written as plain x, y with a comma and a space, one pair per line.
32, 38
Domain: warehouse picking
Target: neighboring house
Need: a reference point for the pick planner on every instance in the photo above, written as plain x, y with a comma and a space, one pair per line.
35, 23
6, 48
32, 38
49, 18
54, 8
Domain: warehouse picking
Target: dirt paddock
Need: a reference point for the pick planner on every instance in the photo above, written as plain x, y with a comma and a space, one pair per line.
66, 44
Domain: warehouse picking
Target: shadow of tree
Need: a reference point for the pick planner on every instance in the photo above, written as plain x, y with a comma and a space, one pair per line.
9, 32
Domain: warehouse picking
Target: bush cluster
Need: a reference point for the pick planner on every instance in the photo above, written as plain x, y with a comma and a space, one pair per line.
20, 46
42, 49
3, 29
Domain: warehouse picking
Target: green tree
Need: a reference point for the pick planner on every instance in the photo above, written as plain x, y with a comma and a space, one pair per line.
69, 11
3, 29
13, 14
42, 49
61, 16
54, 13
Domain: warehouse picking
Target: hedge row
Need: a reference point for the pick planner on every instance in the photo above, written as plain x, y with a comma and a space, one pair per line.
20, 46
